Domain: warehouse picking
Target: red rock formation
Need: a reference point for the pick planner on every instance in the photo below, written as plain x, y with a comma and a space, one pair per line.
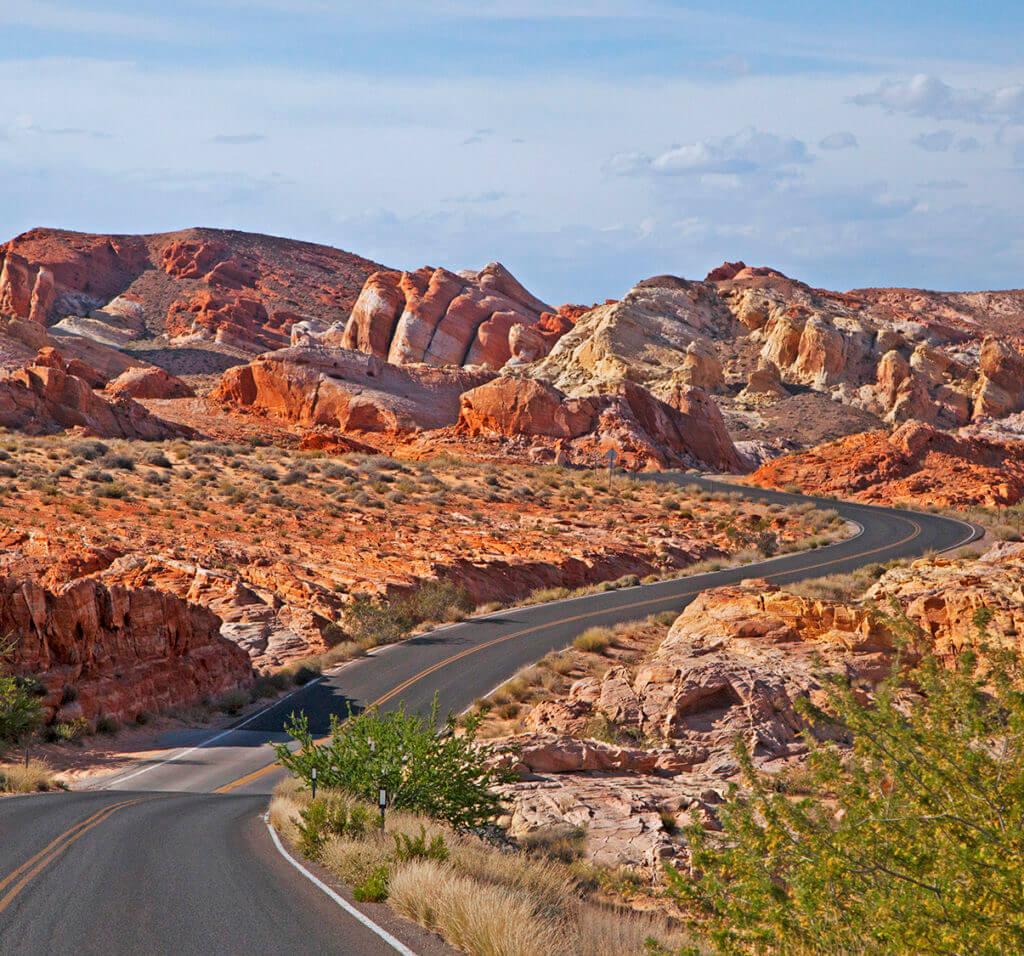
441, 318
688, 429
915, 463
43, 398
148, 383
185, 259
49, 274
347, 389
122, 650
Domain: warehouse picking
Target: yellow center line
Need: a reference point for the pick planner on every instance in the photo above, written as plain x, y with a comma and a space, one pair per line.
269, 768
50, 852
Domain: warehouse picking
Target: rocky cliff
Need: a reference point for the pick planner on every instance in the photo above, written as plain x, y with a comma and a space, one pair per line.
116, 651
442, 318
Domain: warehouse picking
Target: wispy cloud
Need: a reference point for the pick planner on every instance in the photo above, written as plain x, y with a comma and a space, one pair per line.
928, 96
835, 141
237, 139
748, 151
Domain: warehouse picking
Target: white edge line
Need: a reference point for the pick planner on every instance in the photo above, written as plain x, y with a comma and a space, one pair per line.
215, 738
395, 944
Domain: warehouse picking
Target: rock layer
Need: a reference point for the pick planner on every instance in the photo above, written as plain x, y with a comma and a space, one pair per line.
121, 651
314, 385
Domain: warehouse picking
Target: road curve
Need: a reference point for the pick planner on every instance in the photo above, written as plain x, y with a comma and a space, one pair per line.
175, 858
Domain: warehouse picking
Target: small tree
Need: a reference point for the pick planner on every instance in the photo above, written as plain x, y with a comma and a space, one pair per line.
910, 841
443, 775
20, 711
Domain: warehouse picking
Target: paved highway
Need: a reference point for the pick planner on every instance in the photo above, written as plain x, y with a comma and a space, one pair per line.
172, 856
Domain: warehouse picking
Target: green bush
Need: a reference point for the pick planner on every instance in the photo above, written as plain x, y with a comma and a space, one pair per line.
912, 840
440, 775
20, 712
417, 848
373, 889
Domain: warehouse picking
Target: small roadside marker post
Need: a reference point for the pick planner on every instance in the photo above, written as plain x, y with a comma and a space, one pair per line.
611, 455
314, 783
383, 801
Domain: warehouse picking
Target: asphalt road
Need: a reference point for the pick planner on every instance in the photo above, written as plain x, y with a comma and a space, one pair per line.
172, 855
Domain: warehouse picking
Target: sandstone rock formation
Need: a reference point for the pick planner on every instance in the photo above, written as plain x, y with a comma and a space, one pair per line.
439, 317
348, 389
121, 651
644, 338
1001, 387
687, 431
46, 397
914, 463
732, 666
148, 383
198, 283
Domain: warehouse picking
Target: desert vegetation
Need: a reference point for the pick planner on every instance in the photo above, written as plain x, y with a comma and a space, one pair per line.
438, 860
908, 841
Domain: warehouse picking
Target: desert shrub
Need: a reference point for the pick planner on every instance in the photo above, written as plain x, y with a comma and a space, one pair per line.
478, 918
910, 841
111, 489
440, 775
107, 725
119, 461
372, 621
89, 450
19, 778
158, 459
593, 639
374, 888
20, 711
418, 847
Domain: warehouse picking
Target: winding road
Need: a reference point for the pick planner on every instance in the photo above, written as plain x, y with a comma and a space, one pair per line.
173, 856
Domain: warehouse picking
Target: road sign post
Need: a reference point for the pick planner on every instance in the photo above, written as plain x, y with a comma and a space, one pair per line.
611, 455
313, 778
382, 799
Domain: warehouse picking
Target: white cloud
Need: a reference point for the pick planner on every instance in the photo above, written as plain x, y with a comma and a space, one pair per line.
748, 151
835, 141
928, 96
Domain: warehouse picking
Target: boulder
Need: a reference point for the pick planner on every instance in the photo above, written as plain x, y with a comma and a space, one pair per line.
150, 382
1001, 386
43, 398
686, 430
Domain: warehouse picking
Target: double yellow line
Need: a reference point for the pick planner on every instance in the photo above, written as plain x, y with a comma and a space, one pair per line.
49, 853
269, 768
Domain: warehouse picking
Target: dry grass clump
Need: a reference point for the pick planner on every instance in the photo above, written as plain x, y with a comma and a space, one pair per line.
37, 777
480, 919
599, 929
594, 640
486, 900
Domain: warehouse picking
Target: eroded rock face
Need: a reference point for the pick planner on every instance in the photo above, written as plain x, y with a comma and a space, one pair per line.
1001, 387
438, 317
47, 397
916, 462
687, 429
732, 666
123, 650
348, 389
198, 284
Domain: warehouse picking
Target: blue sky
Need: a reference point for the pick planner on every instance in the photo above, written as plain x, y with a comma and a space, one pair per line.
585, 145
